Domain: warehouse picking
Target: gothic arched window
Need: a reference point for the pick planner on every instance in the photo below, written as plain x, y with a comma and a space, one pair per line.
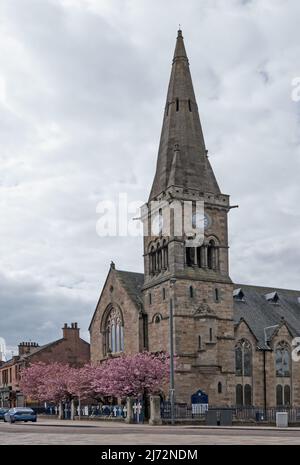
165, 255
239, 395
159, 259
287, 395
248, 395
243, 358
152, 260
279, 395
282, 355
211, 255
114, 332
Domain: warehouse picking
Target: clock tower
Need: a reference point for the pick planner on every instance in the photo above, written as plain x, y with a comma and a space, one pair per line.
188, 266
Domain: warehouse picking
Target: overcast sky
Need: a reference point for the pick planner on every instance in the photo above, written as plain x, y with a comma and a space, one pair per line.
82, 91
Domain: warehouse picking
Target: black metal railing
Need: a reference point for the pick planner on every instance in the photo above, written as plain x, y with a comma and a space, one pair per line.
251, 413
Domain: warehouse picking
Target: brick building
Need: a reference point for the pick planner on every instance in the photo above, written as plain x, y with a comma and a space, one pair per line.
70, 349
232, 341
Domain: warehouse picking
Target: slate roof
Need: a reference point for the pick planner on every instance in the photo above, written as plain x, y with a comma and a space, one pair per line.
133, 283
260, 313
254, 309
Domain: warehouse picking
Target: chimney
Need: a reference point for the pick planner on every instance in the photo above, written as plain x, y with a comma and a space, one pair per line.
71, 331
27, 347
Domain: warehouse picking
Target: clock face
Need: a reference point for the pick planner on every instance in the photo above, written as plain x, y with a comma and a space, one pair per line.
200, 221
207, 221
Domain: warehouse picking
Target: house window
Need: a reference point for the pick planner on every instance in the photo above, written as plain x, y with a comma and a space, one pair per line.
210, 335
164, 293
191, 292
177, 104
150, 299
282, 355
219, 388
114, 332
243, 358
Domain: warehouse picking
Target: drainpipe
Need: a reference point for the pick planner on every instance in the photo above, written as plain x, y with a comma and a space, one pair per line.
265, 383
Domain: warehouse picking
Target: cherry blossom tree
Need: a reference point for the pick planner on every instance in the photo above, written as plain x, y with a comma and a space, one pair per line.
32, 382
132, 375
46, 383
135, 375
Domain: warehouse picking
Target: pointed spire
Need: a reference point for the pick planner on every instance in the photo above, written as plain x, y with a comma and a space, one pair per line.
188, 167
180, 52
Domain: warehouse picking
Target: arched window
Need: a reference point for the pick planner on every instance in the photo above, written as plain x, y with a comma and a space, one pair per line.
283, 395
279, 395
282, 359
114, 332
219, 388
159, 259
287, 395
152, 260
199, 257
157, 318
199, 343
165, 255
248, 395
191, 292
217, 295
190, 256
239, 395
211, 255
243, 358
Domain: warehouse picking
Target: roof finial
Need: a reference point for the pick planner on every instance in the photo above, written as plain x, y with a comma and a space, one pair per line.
179, 31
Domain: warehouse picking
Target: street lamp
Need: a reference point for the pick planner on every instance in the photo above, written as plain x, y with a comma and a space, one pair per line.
264, 365
172, 381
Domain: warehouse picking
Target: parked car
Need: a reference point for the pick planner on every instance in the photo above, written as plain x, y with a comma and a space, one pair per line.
20, 414
3, 410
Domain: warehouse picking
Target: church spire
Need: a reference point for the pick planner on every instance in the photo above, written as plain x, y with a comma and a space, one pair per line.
182, 129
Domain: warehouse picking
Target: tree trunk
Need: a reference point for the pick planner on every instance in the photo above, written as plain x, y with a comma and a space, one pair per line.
72, 409
60, 411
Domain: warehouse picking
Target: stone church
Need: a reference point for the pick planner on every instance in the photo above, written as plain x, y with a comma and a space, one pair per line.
232, 341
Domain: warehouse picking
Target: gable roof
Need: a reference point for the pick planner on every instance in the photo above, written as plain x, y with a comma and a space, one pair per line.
133, 283
262, 316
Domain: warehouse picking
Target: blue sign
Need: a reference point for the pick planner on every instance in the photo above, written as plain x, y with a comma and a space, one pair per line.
199, 397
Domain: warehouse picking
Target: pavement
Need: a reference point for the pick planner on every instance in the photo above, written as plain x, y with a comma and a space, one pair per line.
47, 431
